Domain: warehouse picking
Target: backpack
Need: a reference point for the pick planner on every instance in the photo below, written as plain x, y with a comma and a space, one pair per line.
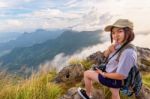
133, 83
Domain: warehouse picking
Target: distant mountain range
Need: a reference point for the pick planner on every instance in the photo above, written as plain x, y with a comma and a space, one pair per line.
29, 39
68, 42
5, 37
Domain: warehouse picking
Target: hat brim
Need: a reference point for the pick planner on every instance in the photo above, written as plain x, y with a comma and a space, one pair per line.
109, 27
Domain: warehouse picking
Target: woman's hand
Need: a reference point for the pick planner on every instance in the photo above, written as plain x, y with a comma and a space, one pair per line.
116, 76
110, 49
100, 72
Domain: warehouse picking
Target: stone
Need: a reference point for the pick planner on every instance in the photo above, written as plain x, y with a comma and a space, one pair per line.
72, 73
73, 94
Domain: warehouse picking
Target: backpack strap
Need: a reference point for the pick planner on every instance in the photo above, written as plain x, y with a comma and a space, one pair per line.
122, 47
128, 46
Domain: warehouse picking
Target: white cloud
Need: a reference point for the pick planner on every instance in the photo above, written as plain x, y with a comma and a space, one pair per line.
3, 4
27, 0
142, 40
16, 3
25, 25
61, 60
10, 24
71, 3
136, 10
58, 62
80, 14
93, 20
53, 13
49, 13
43, 19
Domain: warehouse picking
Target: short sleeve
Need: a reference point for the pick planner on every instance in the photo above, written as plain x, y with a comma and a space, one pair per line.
126, 61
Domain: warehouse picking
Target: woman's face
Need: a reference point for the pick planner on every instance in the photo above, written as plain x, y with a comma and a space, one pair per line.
118, 35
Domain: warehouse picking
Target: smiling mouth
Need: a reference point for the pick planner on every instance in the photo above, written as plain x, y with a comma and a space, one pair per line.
117, 40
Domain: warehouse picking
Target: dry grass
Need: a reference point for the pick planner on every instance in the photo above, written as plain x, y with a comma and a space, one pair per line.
36, 87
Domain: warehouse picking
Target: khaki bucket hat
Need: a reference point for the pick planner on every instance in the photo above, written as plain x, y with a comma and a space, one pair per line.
121, 23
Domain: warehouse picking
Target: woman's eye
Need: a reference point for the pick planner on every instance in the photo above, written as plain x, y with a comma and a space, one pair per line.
112, 33
120, 31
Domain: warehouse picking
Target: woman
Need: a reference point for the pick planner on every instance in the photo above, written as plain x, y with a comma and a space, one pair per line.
121, 32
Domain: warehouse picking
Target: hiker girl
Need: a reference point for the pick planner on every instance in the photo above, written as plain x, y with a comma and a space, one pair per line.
121, 33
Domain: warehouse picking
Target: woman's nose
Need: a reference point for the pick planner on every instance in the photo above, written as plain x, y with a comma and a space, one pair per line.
116, 34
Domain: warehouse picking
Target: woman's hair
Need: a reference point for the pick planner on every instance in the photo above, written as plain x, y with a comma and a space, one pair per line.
129, 35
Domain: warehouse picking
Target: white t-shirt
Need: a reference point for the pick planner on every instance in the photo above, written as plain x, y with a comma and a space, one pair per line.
127, 60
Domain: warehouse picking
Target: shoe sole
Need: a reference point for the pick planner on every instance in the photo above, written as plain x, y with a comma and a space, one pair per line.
81, 93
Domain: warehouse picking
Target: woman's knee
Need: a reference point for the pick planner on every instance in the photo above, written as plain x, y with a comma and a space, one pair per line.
114, 91
86, 73
91, 75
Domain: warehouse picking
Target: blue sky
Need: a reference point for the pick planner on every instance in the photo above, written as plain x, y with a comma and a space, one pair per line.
29, 15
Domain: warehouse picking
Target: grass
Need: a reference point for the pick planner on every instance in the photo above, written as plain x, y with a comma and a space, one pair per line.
40, 85
146, 79
86, 64
36, 87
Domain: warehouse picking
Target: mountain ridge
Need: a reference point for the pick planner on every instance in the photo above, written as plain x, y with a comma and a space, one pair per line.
68, 42
28, 39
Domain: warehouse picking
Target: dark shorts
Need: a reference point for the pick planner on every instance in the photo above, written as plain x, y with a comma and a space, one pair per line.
112, 83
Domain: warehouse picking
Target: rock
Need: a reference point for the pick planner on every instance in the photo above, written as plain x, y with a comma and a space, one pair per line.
98, 94
144, 94
72, 73
73, 94
96, 58
143, 58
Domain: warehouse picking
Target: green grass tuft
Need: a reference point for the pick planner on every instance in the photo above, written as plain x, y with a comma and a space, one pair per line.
146, 80
36, 87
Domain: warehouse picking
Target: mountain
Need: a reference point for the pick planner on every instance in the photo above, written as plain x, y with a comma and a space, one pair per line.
68, 42
5, 37
29, 39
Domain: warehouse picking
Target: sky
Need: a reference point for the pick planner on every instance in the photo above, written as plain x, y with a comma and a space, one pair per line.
81, 15
29, 15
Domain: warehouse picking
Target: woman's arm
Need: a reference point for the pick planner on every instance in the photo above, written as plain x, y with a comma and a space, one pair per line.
116, 76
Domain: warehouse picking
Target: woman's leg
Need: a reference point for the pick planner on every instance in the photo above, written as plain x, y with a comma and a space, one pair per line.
90, 76
115, 93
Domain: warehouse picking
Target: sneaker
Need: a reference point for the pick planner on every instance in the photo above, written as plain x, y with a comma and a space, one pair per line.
83, 94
